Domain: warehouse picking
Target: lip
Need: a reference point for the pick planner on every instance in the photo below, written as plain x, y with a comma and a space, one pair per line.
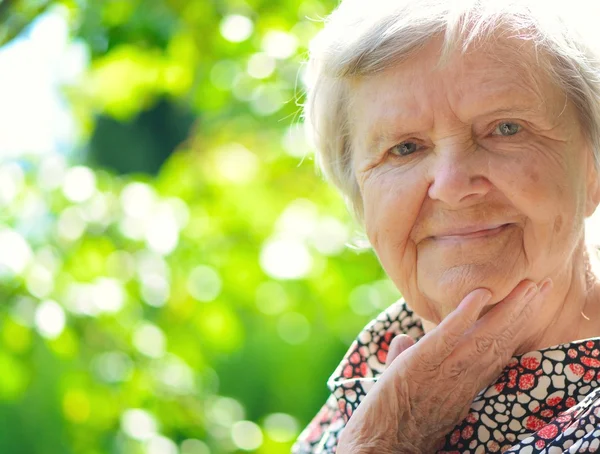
471, 232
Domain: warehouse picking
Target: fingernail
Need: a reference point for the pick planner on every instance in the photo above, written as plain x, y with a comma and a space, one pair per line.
546, 285
530, 293
486, 297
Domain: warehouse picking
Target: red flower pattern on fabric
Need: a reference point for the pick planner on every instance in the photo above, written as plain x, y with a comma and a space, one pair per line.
545, 401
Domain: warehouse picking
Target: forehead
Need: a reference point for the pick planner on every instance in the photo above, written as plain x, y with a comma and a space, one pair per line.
420, 92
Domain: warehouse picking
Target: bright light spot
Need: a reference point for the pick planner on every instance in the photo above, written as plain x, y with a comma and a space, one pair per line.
281, 427
33, 218
271, 298
161, 445
268, 99
236, 163
330, 236
162, 230
293, 328
592, 239
285, 259
180, 210
39, 281
51, 172
113, 367
103, 295
295, 142
33, 73
224, 411
79, 184
175, 375
70, 225
137, 200
260, 65
592, 229
108, 295
149, 340
11, 182
193, 446
48, 257
80, 299
158, 222
155, 289
96, 210
236, 28
138, 424
15, 252
74, 61
51, 30
278, 44
50, 319
149, 264
298, 220
204, 283
134, 228
246, 435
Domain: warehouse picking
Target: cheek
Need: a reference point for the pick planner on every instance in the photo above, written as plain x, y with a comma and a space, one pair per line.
544, 188
392, 201
535, 184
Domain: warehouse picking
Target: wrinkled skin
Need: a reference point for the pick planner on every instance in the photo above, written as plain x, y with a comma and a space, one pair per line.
428, 388
476, 178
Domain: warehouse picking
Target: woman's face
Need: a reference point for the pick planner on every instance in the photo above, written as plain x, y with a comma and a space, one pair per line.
476, 174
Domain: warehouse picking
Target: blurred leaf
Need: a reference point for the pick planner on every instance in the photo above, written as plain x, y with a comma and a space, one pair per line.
175, 278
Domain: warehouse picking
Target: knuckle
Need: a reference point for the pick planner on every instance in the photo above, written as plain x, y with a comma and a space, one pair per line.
447, 342
455, 369
506, 340
526, 312
483, 344
498, 348
423, 363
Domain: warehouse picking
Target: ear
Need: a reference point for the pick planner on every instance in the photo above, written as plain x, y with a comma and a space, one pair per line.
593, 187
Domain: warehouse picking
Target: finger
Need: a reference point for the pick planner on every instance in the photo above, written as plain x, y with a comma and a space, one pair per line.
509, 315
494, 337
495, 358
398, 345
442, 341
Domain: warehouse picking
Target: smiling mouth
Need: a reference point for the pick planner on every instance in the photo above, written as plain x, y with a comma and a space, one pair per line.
471, 233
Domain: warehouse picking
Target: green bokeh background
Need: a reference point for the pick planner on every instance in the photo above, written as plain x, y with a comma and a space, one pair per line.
198, 260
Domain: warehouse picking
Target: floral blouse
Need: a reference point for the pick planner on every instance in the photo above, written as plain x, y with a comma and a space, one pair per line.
545, 401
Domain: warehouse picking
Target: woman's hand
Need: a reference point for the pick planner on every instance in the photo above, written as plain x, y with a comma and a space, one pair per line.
428, 388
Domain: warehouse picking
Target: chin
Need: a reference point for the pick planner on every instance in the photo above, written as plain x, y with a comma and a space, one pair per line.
447, 289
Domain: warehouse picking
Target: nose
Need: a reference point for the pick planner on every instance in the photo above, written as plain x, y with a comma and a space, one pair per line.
459, 178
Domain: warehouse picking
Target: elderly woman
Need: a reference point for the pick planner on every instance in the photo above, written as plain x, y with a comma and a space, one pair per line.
466, 137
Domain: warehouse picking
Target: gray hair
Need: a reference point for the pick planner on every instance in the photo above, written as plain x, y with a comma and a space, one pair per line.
364, 37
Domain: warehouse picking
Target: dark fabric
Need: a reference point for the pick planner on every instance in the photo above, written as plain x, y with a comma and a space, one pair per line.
545, 401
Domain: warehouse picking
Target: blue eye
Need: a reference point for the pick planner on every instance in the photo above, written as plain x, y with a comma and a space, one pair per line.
404, 148
506, 128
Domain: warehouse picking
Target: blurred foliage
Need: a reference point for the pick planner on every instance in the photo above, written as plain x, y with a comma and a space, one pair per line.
16, 15
187, 289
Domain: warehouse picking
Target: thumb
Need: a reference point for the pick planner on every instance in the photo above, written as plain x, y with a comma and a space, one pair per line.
398, 345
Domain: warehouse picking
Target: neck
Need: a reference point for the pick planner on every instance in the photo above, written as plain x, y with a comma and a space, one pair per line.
572, 310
